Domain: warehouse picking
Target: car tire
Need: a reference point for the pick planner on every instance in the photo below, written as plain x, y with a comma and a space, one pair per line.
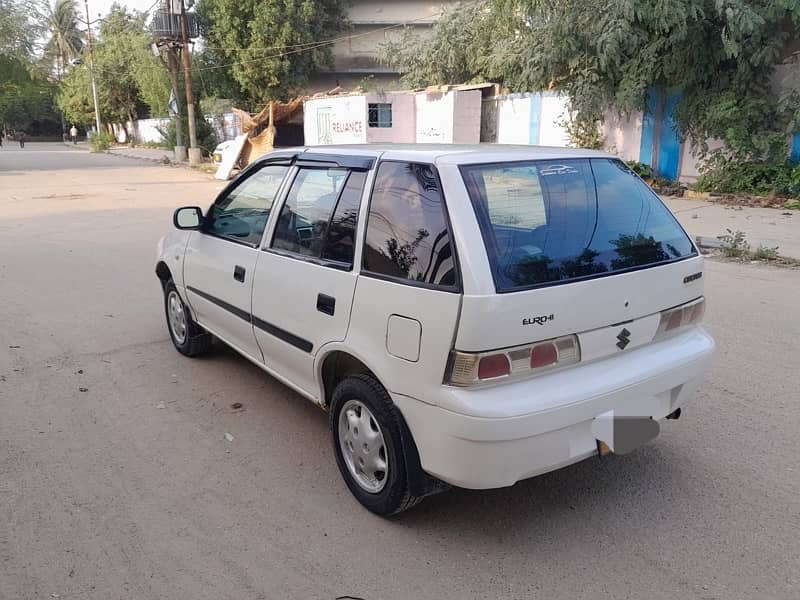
189, 338
361, 401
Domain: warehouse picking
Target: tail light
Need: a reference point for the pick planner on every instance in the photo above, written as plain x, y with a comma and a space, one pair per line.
471, 368
681, 316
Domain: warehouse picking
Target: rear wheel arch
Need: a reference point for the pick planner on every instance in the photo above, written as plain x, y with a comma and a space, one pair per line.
336, 367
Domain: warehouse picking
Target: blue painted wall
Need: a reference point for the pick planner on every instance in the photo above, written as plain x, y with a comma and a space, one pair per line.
536, 113
648, 128
669, 143
794, 155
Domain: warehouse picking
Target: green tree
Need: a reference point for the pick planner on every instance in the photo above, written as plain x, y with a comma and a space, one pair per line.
272, 47
65, 39
458, 49
605, 55
26, 100
18, 31
214, 81
74, 97
131, 81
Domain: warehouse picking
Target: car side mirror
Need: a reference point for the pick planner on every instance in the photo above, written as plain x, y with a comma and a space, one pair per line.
188, 217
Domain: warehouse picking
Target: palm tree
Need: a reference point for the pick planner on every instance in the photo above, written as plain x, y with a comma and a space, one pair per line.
65, 38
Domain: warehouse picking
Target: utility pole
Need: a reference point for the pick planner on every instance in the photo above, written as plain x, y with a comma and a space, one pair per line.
195, 154
91, 69
173, 68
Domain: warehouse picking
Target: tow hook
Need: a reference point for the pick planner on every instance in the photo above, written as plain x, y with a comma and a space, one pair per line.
676, 414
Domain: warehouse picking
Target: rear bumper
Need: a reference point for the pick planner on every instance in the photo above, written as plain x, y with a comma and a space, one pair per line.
494, 437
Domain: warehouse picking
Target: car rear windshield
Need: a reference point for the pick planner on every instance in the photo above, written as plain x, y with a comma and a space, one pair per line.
546, 222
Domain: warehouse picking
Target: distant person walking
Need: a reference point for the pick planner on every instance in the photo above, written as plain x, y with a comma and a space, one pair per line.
21, 138
73, 134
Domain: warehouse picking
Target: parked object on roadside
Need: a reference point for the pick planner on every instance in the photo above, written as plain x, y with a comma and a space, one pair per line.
219, 151
230, 157
468, 315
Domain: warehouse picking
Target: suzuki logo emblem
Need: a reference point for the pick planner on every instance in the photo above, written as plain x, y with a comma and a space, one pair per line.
624, 338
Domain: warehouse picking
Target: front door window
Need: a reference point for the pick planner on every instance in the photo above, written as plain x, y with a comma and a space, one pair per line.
242, 214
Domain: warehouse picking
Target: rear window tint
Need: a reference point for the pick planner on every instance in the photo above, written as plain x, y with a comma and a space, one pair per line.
551, 221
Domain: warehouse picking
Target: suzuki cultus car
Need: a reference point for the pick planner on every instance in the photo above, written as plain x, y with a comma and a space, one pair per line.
471, 316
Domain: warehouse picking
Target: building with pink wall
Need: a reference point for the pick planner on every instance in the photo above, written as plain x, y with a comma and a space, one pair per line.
359, 119
450, 116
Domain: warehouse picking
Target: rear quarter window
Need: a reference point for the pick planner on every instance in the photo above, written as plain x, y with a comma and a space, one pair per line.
408, 238
545, 222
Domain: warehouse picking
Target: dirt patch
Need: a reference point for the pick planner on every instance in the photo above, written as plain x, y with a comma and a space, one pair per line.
756, 201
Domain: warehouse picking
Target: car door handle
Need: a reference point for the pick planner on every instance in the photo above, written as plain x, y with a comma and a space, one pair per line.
326, 304
238, 273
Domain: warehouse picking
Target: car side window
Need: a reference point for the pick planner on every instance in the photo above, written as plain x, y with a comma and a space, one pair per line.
340, 241
407, 233
242, 214
319, 216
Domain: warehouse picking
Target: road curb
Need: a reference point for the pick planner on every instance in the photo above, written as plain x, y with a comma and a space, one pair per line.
147, 158
124, 154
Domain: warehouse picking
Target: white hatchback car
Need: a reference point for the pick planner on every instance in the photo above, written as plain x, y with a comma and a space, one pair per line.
468, 315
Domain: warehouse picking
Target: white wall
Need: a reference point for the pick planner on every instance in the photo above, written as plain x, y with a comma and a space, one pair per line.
434, 117
554, 110
513, 121
341, 120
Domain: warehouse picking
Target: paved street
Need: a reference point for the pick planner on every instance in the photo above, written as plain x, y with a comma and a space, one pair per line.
130, 490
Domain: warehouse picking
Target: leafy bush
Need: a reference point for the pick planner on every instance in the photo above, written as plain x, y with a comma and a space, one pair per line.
100, 142
583, 131
661, 182
206, 138
792, 205
765, 252
734, 243
759, 178
642, 170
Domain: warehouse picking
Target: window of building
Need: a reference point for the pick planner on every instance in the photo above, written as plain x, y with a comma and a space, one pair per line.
380, 114
407, 234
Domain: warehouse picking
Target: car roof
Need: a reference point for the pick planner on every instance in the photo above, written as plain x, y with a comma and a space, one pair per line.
453, 153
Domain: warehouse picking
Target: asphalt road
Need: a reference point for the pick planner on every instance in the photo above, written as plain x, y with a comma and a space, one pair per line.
130, 490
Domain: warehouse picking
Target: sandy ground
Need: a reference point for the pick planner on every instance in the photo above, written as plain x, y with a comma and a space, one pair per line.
129, 489
768, 227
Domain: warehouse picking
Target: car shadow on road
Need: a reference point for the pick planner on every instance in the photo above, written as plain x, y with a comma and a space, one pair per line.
588, 488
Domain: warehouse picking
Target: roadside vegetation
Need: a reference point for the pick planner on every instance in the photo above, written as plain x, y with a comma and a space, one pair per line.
734, 246
101, 142
721, 56
749, 177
